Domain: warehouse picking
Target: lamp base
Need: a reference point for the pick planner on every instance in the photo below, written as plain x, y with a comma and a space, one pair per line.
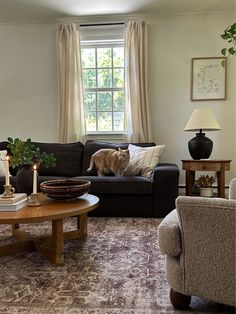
200, 147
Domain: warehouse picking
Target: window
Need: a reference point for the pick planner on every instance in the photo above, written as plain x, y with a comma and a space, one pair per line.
103, 75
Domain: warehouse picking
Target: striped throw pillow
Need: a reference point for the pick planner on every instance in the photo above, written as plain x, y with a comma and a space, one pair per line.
143, 160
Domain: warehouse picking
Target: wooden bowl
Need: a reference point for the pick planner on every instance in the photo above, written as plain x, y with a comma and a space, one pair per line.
65, 189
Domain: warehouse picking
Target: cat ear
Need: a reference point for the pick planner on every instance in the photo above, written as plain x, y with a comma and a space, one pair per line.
119, 149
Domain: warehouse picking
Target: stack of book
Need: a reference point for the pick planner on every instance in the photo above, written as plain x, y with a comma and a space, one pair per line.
14, 203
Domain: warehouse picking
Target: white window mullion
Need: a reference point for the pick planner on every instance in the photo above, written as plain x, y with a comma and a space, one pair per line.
97, 89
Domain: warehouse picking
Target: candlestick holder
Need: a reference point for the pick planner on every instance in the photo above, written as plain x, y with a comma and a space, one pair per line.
9, 191
34, 199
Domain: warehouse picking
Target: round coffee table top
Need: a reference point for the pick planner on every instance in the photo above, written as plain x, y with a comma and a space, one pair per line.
50, 210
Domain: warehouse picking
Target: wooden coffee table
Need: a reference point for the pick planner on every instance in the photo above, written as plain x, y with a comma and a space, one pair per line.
52, 246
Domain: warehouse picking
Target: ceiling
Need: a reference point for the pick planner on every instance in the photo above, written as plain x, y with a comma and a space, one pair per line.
29, 10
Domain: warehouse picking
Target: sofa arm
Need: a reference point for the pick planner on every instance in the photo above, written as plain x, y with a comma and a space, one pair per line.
169, 234
165, 188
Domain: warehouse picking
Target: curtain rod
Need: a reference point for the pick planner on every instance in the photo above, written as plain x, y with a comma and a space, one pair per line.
102, 24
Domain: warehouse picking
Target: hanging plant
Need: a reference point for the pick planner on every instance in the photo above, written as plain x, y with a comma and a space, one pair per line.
230, 36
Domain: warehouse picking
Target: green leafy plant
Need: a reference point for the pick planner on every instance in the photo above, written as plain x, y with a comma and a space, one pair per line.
230, 36
25, 153
205, 181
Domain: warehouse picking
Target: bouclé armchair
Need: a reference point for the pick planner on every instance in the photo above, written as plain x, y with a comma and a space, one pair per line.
198, 238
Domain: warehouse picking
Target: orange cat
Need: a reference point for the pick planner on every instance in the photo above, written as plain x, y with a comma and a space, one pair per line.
110, 160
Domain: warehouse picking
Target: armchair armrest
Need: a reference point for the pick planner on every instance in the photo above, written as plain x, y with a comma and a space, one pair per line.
208, 246
169, 234
232, 189
165, 188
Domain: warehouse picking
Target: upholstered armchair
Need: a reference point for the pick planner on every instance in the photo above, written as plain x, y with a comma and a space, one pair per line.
198, 238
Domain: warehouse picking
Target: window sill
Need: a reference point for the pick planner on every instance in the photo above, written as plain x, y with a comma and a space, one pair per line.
104, 136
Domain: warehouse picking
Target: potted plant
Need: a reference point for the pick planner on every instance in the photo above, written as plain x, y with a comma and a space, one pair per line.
205, 185
230, 36
24, 154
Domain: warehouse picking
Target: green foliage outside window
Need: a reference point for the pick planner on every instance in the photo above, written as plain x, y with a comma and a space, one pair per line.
103, 83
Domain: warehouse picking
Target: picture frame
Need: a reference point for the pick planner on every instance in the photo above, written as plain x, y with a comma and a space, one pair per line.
208, 78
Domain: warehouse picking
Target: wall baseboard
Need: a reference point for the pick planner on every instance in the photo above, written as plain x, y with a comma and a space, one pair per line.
182, 189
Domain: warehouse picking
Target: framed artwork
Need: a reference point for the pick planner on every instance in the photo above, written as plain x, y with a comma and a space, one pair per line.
208, 78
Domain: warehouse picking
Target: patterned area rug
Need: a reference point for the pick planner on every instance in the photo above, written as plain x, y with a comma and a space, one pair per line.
118, 269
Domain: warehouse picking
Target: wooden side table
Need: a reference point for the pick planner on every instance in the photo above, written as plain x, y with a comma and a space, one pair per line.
220, 166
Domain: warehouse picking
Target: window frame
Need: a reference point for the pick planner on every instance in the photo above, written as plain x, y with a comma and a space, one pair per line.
111, 43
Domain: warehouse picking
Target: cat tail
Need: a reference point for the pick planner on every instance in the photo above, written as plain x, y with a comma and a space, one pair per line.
91, 164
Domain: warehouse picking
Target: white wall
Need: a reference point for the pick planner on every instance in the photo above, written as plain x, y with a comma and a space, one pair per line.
173, 41
28, 83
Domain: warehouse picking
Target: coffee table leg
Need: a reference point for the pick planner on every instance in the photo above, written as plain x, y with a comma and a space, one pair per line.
58, 241
82, 225
14, 228
52, 247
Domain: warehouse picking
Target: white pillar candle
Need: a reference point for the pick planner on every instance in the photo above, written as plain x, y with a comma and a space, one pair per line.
35, 180
7, 182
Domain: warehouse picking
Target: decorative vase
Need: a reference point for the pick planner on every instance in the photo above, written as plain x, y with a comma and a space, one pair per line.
24, 180
206, 192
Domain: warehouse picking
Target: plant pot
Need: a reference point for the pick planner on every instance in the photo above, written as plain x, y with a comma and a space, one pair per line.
206, 192
24, 180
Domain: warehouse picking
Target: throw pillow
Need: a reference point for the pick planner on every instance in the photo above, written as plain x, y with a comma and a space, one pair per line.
143, 160
3, 154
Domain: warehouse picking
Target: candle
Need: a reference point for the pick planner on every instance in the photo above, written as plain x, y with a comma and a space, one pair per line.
7, 182
35, 180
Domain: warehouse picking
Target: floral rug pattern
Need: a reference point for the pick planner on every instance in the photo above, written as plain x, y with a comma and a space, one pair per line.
118, 269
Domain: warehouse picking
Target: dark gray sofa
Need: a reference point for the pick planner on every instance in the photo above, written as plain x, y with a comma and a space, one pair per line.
133, 196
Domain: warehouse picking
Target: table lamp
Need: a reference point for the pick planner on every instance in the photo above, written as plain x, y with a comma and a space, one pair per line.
200, 146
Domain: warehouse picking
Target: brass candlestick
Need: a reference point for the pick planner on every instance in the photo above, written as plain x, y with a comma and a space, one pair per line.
8, 191
33, 199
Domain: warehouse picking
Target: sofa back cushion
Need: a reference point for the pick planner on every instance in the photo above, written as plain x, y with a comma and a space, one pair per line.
3, 145
68, 159
92, 146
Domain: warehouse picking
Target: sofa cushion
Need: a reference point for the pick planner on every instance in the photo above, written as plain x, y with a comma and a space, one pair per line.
47, 178
68, 159
92, 146
118, 185
143, 160
3, 145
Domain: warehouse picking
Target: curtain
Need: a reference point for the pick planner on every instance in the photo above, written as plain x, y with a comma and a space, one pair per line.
138, 127
71, 117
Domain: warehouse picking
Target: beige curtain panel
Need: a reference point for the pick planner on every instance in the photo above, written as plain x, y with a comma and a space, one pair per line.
137, 111
71, 118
